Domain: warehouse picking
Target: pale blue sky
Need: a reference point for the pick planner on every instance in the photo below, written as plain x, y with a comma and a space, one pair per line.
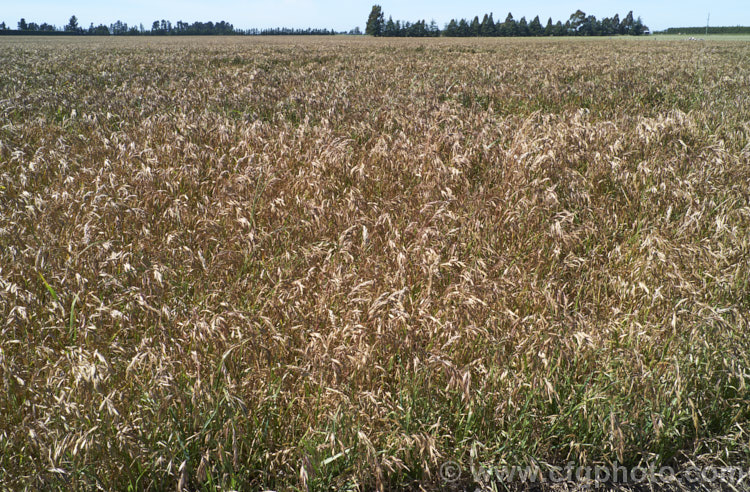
342, 15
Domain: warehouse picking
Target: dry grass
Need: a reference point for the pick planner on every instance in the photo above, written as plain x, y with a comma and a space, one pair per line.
337, 263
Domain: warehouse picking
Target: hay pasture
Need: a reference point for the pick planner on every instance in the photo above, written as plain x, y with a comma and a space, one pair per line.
339, 263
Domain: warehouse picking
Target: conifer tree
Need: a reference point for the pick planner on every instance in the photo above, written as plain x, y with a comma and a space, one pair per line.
375, 22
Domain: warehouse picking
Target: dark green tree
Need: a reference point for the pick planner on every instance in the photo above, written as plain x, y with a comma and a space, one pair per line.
451, 29
376, 22
523, 27
549, 30
390, 28
535, 27
418, 29
433, 29
463, 28
22, 26
118, 28
510, 27
627, 23
475, 26
487, 28
72, 24
576, 20
590, 27
100, 30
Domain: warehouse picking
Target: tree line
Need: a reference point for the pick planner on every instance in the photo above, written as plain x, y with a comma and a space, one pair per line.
711, 30
162, 28
579, 24
119, 28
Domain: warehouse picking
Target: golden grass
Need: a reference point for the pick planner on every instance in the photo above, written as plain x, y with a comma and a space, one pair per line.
337, 263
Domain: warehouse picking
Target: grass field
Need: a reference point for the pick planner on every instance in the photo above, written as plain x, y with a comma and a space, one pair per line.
703, 37
306, 263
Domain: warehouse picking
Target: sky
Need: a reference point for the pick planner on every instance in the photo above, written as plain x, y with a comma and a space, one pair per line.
345, 15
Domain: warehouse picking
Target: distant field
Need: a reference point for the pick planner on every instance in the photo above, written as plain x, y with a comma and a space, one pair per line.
709, 37
343, 263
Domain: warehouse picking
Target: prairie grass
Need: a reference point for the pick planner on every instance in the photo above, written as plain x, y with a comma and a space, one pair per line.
338, 263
